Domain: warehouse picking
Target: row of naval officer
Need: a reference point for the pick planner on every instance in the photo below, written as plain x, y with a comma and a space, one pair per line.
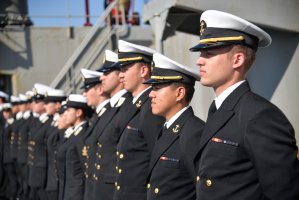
130, 152
108, 158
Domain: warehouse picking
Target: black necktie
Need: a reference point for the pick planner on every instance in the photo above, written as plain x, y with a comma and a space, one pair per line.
212, 110
162, 131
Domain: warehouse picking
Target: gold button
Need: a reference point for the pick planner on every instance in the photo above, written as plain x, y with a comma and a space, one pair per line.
115, 184
121, 156
100, 156
118, 187
148, 186
95, 177
197, 178
98, 167
156, 190
208, 182
116, 168
117, 153
120, 171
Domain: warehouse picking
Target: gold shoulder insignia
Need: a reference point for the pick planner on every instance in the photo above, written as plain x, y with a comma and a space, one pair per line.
78, 131
120, 101
84, 151
138, 104
44, 119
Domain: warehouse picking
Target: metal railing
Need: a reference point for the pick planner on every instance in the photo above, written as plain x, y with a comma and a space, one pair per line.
90, 52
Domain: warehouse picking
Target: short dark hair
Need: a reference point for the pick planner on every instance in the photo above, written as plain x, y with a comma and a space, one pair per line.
189, 90
250, 55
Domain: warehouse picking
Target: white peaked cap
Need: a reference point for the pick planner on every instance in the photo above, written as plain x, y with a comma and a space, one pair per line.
219, 19
41, 88
219, 28
164, 62
14, 99
23, 97
111, 56
86, 73
56, 93
3, 95
77, 98
128, 47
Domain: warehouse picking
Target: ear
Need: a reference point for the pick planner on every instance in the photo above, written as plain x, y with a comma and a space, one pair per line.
144, 71
180, 93
99, 89
238, 60
79, 113
57, 105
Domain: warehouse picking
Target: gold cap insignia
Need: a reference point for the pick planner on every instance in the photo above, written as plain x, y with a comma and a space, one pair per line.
138, 104
203, 27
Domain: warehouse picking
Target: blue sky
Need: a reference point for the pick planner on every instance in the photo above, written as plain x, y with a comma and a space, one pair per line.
54, 12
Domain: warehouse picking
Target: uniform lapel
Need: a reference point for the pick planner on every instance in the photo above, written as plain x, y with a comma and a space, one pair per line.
106, 119
96, 120
169, 137
133, 109
222, 115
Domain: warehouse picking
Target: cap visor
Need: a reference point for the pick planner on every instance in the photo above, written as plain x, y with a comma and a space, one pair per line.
209, 46
155, 82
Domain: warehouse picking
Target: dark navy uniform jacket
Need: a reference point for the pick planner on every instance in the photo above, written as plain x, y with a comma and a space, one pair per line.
248, 151
23, 135
169, 174
52, 147
70, 167
134, 150
105, 156
37, 157
89, 148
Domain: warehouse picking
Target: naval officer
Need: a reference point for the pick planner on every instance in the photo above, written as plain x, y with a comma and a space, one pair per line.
110, 130
69, 163
137, 139
173, 88
248, 148
99, 100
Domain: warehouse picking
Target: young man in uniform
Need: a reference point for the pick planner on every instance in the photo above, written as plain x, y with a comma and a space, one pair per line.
248, 148
109, 132
99, 100
137, 139
170, 177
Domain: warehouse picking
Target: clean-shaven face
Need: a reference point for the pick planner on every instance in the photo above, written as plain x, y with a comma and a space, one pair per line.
110, 80
163, 98
215, 66
130, 76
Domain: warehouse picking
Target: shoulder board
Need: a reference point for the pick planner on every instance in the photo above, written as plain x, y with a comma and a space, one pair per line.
78, 130
120, 101
26, 115
10, 121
